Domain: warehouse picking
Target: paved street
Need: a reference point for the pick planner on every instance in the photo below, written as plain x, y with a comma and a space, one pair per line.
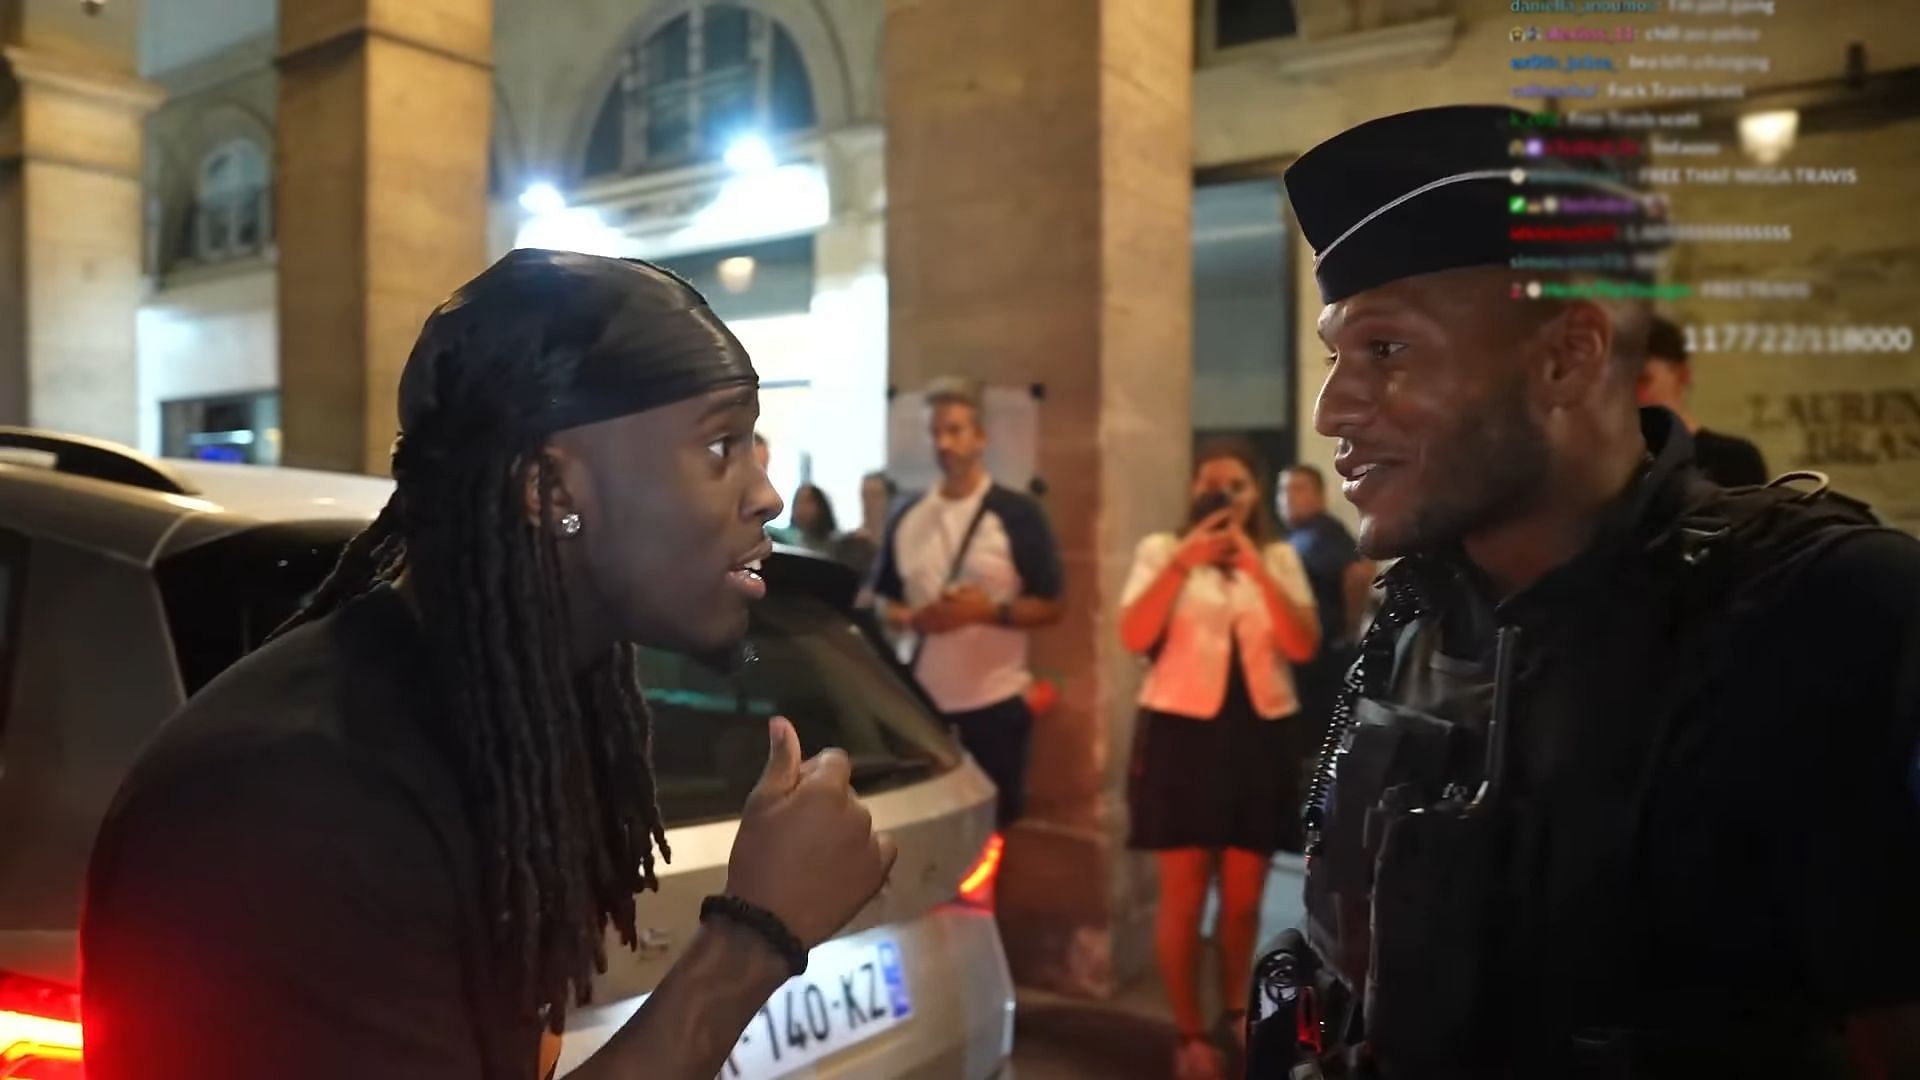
1130, 1037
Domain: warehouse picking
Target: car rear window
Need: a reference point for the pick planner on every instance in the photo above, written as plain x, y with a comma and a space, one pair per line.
224, 597
811, 663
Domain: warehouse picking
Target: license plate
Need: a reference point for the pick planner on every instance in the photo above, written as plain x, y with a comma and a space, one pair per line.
852, 991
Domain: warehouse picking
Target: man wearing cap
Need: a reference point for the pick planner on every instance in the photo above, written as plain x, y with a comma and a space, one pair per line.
1598, 804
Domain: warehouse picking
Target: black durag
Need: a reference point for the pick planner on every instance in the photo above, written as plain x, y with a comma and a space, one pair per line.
574, 340
627, 336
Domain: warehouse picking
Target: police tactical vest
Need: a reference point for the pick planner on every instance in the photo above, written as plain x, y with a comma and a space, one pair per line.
1475, 834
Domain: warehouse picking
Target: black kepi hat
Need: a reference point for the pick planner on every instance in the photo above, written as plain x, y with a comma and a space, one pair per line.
1432, 189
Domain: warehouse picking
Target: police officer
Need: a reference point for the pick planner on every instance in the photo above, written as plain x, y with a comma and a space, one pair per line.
1623, 783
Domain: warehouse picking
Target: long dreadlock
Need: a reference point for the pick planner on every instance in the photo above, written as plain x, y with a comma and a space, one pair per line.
557, 770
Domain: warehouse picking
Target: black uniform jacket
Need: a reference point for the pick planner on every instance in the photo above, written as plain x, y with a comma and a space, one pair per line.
1713, 820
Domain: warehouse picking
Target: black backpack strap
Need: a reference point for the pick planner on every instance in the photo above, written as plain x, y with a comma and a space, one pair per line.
1762, 523
1736, 549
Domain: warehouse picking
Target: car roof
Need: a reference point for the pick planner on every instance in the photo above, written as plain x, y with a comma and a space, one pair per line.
123, 521
273, 493
140, 524
137, 523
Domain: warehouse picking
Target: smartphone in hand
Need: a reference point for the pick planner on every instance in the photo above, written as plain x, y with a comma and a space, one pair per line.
1207, 504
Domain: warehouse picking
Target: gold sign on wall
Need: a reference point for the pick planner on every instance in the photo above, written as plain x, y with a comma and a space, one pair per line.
1867, 439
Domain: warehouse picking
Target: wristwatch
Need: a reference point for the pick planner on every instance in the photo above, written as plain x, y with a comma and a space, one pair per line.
1003, 615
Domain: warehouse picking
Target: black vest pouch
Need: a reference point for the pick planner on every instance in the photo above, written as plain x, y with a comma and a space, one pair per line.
1437, 892
1388, 745
1439, 896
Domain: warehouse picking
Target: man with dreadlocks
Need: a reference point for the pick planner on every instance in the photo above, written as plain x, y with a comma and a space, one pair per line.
390, 842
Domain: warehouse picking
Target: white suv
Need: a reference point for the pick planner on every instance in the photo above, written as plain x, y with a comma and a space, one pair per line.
126, 584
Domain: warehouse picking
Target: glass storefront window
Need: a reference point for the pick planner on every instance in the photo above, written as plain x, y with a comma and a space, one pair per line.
240, 429
1244, 371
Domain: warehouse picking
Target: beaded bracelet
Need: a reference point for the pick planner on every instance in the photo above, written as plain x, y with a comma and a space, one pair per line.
760, 921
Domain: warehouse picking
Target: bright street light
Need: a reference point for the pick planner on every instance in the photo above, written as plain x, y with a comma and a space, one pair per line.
749, 154
542, 199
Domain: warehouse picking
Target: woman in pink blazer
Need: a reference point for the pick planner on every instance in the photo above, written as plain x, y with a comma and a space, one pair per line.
1224, 611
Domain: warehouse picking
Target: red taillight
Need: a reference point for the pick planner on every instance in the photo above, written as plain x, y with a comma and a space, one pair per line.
39, 1030
977, 886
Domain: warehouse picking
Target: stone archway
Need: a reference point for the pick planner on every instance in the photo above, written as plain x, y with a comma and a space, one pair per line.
805, 21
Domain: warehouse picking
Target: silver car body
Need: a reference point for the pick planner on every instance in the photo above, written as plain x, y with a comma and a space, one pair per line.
94, 675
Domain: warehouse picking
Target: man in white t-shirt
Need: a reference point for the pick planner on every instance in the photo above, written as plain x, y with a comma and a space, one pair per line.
965, 572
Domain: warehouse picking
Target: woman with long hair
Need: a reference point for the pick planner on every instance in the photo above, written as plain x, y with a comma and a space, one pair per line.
814, 524
1224, 611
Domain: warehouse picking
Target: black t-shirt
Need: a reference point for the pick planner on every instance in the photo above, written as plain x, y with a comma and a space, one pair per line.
1729, 460
285, 885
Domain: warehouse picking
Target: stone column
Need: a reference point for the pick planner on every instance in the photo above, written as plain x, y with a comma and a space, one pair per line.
381, 167
70, 230
1039, 180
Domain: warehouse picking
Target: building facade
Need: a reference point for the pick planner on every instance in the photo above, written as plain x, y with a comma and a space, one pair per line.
208, 340
742, 144
738, 142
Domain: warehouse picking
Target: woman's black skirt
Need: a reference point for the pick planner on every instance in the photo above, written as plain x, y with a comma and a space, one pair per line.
1230, 782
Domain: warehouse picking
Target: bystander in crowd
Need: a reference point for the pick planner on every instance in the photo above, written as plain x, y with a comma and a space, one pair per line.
1342, 581
965, 573
859, 547
1666, 380
1225, 612
814, 526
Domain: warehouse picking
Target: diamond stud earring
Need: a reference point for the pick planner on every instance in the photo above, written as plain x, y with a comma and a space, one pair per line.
570, 525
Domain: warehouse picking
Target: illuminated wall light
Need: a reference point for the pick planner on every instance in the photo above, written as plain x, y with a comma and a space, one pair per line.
554, 225
750, 154
1767, 136
785, 201
736, 273
542, 199
576, 228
